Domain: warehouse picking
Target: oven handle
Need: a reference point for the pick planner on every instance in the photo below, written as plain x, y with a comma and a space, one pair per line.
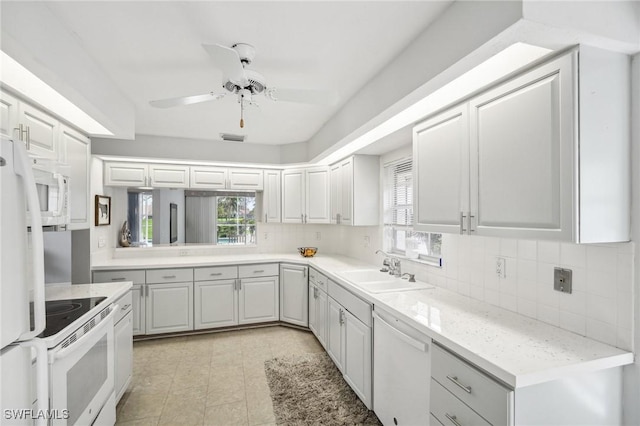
97, 329
62, 191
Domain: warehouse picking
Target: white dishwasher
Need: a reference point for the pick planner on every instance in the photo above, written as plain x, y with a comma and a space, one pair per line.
401, 371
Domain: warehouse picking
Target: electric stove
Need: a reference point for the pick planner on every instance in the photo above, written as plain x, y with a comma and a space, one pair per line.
61, 313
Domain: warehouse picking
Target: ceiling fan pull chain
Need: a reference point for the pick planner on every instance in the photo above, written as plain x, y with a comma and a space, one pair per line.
242, 113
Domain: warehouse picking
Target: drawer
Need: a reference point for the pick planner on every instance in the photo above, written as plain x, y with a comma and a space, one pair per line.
480, 392
215, 273
136, 276
450, 411
125, 304
258, 270
317, 278
159, 276
352, 303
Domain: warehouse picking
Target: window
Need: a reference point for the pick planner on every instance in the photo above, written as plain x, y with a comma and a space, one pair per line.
140, 217
220, 217
399, 236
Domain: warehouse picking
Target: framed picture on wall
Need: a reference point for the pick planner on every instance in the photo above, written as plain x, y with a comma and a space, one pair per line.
103, 210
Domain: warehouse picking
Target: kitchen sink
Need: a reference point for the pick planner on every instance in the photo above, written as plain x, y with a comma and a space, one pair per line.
374, 281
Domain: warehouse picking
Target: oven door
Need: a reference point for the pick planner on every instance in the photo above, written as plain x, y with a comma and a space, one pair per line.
82, 375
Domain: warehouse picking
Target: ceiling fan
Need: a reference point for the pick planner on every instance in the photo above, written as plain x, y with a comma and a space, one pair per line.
238, 80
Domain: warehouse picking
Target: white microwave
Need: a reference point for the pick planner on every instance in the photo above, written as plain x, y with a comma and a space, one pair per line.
53, 194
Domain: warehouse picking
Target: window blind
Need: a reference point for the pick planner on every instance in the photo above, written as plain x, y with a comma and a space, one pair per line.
398, 199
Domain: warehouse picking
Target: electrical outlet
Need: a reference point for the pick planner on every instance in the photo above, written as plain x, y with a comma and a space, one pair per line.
101, 242
501, 270
562, 280
184, 252
367, 241
318, 236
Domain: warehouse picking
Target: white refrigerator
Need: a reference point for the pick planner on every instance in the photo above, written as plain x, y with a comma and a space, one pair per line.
23, 380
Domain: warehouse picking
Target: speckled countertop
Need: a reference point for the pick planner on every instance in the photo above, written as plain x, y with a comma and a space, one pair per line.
518, 350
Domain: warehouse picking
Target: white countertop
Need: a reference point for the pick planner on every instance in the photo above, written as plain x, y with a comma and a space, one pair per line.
518, 350
112, 292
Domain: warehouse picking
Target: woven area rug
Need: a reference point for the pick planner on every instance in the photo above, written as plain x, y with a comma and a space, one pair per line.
309, 389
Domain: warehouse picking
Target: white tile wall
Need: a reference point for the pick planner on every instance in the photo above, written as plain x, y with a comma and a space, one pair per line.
600, 307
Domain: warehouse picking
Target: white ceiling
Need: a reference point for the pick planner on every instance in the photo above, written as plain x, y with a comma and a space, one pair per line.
152, 50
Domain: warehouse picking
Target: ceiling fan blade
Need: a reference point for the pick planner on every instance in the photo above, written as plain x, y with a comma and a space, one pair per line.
315, 97
228, 61
186, 100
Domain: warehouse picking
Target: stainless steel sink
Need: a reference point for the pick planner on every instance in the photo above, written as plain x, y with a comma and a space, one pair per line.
374, 281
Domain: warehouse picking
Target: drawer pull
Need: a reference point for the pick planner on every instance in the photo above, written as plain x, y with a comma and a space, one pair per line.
118, 279
216, 274
125, 307
455, 381
258, 271
168, 276
453, 419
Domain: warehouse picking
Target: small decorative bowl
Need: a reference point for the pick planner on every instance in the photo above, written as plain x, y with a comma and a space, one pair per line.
307, 251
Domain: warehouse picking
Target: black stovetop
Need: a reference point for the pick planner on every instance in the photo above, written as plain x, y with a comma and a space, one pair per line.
61, 313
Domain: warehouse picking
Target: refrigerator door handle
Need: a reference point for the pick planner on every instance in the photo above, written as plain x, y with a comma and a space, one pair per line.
42, 377
23, 168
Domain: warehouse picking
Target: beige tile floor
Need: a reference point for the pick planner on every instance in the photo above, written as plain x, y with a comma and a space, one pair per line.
211, 379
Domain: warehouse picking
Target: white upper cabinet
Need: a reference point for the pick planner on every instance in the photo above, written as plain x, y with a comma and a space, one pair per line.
441, 172
271, 197
41, 131
77, 150
251, 179
305, 195
126, 174
205, 177
8, 115
168, 176
355, 188
317, 195
532, 158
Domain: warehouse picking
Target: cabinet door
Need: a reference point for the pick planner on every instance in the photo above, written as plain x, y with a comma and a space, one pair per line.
78, 156
522, 156
293, 196
43, 131
271, 196
246, 179
335, 191
123, 336
346, 193
294, 289
335, 335
313, 306
357, 357
216, 304
169, 307
138, 310
440, 172
8, 115
125, 174
321, 317
258, 300
168, 176
317, 196
208, 177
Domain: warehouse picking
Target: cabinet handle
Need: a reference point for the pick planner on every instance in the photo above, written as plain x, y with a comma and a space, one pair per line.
453, 419
341, 317
462, 217
305, 218
125, 307
239, 285
471, 217
315, 292
258, 271
455, 381
302, 218
28, 137
265, 218
304, 273
168, 276
338, 218
118, 279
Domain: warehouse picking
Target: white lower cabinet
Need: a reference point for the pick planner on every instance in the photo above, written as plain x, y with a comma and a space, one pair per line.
258, 300
137, 277
294, 288
123, 336
318, 304
169, 307
216, 304
349, 339
138, 314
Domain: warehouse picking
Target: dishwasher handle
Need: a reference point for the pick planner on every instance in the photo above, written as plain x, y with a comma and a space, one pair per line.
421, 346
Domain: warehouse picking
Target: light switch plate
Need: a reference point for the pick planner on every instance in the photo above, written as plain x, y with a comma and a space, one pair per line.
562, 280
